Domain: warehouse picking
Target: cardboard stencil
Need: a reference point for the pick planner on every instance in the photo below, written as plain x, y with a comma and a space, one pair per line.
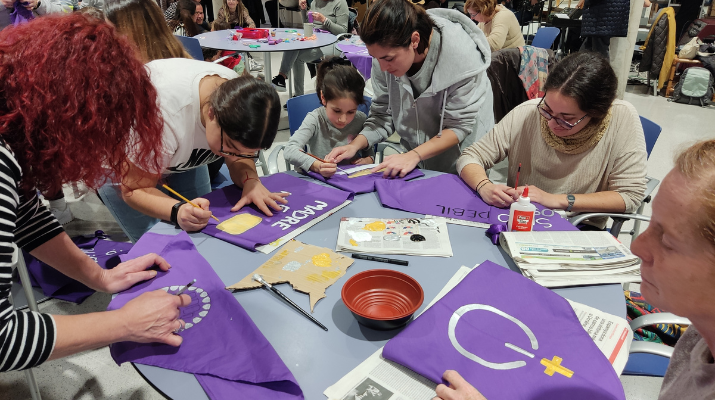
309, 269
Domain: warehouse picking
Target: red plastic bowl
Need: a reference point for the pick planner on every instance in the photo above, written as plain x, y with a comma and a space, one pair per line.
382, 298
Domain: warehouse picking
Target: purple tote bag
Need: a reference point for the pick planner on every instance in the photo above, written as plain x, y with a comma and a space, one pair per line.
222, 346
448, 196
360, 184
306, 202
510, 338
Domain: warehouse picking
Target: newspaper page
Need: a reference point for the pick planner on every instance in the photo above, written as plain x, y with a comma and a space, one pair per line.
612, 334
407, 236
566, 248
385, 380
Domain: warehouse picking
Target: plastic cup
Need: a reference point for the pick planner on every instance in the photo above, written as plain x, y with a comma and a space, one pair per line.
307, 30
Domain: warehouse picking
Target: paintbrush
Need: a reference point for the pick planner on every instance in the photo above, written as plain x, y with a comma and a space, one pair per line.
321, 160
258, 278
185, 199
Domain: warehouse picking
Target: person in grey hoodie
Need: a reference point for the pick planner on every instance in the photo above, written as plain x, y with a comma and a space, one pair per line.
430, 83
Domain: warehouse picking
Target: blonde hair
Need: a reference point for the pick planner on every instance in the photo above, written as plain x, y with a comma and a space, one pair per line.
143, 23
239, 13
485, 7
697, 164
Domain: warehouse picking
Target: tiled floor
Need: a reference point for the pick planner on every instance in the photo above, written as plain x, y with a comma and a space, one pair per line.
94, 375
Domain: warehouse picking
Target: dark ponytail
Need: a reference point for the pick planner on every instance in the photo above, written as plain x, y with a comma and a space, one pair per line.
248, 111
390, 23
338, 79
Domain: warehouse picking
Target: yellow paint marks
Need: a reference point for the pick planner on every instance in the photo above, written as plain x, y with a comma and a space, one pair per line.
322, 260
280, 255
324, 276
353, 242
554, 365
275, 242
239, 224
376, 226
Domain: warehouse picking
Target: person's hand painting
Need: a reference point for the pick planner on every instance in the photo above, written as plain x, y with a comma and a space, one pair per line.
497, 195
255, 193
326, 169
128, 273
154, 317
193, 219
318, 17
458, 389
539, 196
398, 164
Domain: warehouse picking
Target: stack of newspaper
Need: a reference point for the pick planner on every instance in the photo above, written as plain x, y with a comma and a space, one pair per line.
407, 236
555, 259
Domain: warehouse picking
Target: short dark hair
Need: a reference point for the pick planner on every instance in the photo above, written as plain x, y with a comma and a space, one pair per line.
338, 79
248, 111
390, 23
588, 78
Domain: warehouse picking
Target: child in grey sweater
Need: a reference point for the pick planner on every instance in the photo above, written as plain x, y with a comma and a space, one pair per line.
340, 90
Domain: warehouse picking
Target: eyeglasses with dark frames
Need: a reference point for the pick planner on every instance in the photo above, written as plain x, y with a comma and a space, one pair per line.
561, 122
227, 153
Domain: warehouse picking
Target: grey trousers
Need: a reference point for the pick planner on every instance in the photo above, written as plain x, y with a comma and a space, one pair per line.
296, 60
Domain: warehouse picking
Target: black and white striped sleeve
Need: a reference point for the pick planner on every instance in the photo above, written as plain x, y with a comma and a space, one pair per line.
26, 338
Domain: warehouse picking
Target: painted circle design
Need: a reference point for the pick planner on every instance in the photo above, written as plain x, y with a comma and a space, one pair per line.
199, 308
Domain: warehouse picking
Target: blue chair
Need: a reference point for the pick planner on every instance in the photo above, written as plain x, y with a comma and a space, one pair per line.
651, 132
646, 358
192, 47
298, 108
545, 37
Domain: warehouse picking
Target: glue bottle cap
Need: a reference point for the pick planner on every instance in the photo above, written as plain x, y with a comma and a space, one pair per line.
526, 192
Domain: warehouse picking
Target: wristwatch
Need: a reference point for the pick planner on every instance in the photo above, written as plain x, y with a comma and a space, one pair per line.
571, 198
175, 213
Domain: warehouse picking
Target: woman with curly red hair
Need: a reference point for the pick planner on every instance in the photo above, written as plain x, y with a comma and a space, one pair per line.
57, 128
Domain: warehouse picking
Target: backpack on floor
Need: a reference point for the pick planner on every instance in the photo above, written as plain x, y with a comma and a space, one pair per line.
695, 87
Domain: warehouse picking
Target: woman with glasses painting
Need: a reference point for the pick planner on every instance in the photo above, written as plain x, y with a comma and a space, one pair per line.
581, 150
209, 112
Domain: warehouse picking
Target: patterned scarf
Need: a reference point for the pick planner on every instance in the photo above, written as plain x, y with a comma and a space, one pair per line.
579, 142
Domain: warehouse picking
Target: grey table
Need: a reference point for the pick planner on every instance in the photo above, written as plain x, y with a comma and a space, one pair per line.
318, 359
222, 40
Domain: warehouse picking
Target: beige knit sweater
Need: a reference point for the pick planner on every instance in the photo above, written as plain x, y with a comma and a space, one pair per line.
503, 31
617, 162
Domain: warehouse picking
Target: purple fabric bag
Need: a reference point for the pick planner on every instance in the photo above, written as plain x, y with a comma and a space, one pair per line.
21, 14
447, 195
58, 285
306, 202
503, 333
360, 184
222, 346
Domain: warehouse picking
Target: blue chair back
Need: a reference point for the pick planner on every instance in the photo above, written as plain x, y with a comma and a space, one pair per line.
651, 130
192, 47
545, 37
644, 364
299, 107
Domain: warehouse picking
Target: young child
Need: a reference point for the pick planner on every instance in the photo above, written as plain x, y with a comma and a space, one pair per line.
340, 89
235, 62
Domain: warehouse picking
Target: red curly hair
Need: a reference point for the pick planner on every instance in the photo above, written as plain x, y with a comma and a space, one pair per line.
74, 102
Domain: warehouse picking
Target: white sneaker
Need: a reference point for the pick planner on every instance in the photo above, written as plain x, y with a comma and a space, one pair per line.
64, 216
254, 65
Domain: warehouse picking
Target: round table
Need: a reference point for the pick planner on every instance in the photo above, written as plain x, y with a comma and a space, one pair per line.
222, 40
319, 359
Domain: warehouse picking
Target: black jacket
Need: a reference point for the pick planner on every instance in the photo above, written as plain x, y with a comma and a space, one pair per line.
605, 18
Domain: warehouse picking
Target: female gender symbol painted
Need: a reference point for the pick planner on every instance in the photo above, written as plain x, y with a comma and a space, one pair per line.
502, 366
199, 307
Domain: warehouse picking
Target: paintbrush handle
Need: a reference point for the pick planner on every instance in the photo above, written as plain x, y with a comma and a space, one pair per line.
302, 311
177, 194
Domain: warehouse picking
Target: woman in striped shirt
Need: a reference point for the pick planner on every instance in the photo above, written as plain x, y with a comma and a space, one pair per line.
57, 128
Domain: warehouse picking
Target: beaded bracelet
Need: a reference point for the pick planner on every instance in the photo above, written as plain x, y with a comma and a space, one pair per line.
477, 185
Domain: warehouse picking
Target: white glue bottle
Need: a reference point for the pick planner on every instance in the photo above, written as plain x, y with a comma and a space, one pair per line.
521, 213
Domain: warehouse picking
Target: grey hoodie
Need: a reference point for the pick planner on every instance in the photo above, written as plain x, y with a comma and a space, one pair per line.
459, 96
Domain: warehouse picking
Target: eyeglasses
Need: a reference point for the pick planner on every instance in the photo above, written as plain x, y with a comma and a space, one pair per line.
226, 153
559, 121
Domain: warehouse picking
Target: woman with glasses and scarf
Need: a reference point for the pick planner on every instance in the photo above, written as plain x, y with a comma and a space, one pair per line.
209, 112
580, 149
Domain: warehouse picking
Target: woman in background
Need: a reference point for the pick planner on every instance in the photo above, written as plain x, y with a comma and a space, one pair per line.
236, 14
497, 22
